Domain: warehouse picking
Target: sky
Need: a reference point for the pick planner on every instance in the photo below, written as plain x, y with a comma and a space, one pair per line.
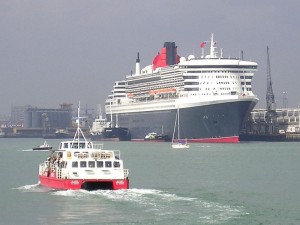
66, 51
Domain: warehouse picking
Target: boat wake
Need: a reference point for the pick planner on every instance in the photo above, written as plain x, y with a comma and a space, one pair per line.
30, 150
34, 188
162, 204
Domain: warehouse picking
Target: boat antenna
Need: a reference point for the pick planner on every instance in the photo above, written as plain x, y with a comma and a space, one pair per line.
78, 130
213, 53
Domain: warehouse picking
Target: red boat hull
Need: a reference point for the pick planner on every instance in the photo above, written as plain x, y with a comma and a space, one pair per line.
88, 184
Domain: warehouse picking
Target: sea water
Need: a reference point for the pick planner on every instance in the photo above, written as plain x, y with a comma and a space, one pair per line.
244, 183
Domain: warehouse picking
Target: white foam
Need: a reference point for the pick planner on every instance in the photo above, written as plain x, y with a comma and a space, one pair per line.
163, 203
33, 188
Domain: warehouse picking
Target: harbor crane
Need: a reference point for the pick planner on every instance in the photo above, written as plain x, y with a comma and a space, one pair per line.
270, 100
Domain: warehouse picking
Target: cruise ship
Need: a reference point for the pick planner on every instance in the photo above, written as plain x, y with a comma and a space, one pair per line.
211, 93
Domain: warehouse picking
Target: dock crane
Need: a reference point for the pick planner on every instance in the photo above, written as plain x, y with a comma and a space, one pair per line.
271, 123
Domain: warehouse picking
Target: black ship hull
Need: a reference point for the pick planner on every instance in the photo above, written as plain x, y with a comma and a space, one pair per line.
113, 134
219, 122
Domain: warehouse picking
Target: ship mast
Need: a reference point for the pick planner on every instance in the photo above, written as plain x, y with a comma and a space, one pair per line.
213, 53
270, 100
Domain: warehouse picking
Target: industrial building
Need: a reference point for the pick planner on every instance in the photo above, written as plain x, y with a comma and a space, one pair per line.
48, 119
29, 121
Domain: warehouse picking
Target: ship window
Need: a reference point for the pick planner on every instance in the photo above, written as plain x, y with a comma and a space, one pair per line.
66, 145
91, 164
82, 163
108, 164
116, 164
75, 164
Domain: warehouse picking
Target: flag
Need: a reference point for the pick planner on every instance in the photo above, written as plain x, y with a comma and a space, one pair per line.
202, 45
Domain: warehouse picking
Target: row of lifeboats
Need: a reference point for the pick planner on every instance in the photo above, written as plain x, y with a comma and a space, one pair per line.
155, 92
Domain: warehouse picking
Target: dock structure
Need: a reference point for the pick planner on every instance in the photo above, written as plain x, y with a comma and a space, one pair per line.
287, 127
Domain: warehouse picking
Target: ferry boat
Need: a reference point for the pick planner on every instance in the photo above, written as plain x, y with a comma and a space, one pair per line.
214, 95
82, 164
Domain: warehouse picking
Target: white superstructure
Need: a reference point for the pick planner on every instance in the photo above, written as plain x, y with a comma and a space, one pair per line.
173, 82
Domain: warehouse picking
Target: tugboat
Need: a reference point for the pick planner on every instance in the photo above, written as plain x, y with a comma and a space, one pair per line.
81, 164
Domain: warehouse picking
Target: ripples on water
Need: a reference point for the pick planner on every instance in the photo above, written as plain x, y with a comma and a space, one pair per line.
140, 205
242, 184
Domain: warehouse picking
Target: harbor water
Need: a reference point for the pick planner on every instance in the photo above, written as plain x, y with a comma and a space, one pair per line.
245, 183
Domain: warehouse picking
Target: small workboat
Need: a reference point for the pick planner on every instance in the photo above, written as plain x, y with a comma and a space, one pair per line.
153, 136
82, 164
44, 146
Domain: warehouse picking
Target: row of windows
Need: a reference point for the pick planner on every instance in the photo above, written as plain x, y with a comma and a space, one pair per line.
118, 92
223, 82
221, 66
216, 71
219, 82
247, 83
246, 77
209, 93
218, 76
191, 83
94, 164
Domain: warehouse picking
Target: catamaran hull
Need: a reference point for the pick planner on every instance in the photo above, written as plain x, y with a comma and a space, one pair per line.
87, 184
219, 122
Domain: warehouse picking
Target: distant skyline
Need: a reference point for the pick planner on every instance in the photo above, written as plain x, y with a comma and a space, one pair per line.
55, 52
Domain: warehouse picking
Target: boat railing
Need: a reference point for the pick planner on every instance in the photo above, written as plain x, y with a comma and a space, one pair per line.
117, 154
42, 168
98, 146
58, 173
82, 155
126, 173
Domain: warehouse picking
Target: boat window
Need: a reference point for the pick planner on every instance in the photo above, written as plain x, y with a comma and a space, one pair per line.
116, 164
74, 145
66, 145
82, 163
64, 164
75, 164
108, 164
81, 145
91, 164
99, 164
